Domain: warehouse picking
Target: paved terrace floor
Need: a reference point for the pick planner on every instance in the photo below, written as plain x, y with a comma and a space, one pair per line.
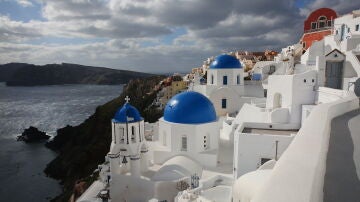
341, 181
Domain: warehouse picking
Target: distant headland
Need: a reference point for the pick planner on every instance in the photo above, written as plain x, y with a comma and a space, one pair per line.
23, 74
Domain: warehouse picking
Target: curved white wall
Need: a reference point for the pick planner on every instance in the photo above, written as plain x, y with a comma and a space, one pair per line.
299, 174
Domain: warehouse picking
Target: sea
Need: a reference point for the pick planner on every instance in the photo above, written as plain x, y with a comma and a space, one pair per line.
48, 108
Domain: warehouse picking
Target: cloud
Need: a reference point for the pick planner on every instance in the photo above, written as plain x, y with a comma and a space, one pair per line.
24, 3
16, 31
142, 34
75, 9
193, 14
340, 6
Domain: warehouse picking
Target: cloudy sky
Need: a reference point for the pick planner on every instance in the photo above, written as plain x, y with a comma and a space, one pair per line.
149, 35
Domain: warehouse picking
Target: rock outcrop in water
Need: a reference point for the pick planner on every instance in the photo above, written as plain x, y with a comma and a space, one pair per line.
22, 74
81, 148
32, 134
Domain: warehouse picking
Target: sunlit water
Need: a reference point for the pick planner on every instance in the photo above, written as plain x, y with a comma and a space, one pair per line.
47, 108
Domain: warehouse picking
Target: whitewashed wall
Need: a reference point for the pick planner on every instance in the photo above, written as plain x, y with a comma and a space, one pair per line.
299, 174
195, 142
250, 148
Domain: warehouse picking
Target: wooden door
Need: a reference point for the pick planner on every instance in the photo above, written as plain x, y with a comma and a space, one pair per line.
333, 75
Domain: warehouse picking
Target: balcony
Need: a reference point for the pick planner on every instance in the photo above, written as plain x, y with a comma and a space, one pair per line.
317, 29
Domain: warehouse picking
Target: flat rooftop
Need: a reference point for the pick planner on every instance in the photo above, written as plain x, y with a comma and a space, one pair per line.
269, 131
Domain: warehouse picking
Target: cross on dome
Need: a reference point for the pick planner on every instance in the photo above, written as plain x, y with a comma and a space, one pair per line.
127, 99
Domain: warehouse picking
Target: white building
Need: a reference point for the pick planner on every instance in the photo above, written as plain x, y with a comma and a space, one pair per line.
309, 170
299, 174
283, 63
270, 125
225, 84
275, 149
335, 58
252, 150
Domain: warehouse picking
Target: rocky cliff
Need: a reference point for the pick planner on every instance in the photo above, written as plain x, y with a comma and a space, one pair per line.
81, 148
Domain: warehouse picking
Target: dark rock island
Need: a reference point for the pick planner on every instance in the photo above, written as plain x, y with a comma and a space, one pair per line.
32, 134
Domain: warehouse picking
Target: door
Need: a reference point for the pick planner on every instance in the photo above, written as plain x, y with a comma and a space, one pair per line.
333, 75
224, 80
223, 103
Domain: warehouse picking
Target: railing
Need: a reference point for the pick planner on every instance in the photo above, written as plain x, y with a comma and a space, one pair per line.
318, 29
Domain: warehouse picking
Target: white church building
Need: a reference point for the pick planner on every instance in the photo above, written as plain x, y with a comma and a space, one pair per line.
128, 150
189, 127
224, 84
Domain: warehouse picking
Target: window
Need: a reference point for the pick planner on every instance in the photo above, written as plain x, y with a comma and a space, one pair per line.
183, 143
224, 80
348, 29
139, 132
313, 25
322, 21
206, 142
342, 34
272, 69
238, 79
304, 80
357, 27
122, 135
329, 23
223, 103
133, 134
212, 79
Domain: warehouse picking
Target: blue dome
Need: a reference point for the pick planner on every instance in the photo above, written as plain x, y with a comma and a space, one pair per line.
127, 114
189, 108
225, 62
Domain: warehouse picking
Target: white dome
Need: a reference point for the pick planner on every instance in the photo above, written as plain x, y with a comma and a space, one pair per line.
177, 168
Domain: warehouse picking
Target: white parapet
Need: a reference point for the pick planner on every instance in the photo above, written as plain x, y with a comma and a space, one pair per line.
299, 173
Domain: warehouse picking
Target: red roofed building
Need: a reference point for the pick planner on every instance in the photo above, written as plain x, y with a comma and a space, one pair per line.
318, 25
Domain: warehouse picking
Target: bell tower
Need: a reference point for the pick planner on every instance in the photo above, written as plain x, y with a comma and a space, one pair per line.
128, 151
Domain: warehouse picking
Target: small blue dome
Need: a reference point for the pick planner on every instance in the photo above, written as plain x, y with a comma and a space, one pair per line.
225, 61
127, 114
256, 77
189, 108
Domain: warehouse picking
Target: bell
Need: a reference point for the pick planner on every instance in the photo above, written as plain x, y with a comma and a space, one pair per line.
124, 161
